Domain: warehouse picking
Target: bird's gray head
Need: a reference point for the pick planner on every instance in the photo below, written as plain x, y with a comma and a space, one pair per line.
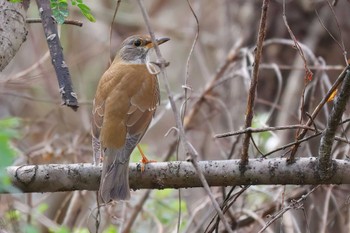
135, 49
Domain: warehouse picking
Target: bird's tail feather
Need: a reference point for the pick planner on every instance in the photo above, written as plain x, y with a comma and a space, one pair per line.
115, 174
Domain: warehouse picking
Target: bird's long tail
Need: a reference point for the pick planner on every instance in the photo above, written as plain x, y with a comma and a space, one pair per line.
114, 183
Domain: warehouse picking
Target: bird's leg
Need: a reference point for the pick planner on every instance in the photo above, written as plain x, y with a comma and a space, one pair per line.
144, 159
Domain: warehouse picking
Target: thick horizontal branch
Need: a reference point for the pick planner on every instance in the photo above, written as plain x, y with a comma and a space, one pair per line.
69, 177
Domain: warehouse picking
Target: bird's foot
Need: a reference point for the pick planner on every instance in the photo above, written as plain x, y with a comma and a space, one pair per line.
144, 160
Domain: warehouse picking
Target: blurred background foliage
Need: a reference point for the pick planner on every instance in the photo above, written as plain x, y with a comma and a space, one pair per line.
41, 131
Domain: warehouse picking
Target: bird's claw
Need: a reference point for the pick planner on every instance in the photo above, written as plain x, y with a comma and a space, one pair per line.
144, 161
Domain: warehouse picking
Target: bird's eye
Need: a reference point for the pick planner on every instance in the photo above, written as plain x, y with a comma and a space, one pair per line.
137, 42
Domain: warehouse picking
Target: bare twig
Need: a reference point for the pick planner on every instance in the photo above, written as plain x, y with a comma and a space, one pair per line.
303, 140
138, 207
254, 82
308, 73
259, 130
325, 216
136, 210
232, 56
183, 112
188, 59
67, 21
341, 43
296, 142
68, 95
293, 205
228, 202
325, 157
111, 29
319, 107
312, 67
189, 149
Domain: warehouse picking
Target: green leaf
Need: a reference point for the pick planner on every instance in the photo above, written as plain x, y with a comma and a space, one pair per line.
83, 7
86, 11
8, 131
42, 207
90, 17
59, 10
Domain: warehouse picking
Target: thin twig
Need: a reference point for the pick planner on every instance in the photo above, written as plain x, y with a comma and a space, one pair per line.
319, 107
296, 142
67, 21
259, 130
325, 215
138, 207
228, 202
186, 96
308, 72
341, 43
232, 56
111, 29
256, 147
254, 82
188, 148
136, 210
189, 58
290, 67
293, 205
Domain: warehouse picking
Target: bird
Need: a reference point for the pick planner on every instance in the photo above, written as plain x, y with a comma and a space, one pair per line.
125, 102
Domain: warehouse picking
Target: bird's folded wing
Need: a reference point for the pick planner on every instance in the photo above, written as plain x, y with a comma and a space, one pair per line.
127, 99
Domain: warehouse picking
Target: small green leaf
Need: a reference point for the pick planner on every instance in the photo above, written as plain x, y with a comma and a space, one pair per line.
42, 208
59, 10
8, 131
63, 6
90, 17
83, 7
86, 11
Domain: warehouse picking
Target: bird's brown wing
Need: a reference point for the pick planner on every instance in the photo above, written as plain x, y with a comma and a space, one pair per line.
143, 105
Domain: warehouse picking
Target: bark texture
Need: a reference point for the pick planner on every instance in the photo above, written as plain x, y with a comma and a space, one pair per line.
179, 174
13, 31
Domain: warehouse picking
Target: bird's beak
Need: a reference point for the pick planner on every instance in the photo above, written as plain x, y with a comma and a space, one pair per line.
159, 42
162, 40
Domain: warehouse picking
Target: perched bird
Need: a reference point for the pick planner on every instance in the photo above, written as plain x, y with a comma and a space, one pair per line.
125, 102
